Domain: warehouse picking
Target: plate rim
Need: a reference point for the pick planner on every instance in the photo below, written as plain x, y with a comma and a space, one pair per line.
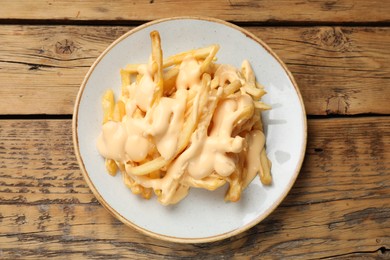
129, 223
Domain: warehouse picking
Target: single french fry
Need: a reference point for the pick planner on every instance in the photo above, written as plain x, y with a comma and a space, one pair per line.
146, 168
157, 58
247, 71
125, 77
208, 183
207, 62
111, 167
259, 86
132, 68
131, 184
137, 189
214, 83
108, 105
198, 54
244, 114
147, 193
205, 120
119, 111
231, 88
265, 169
262, 106
236, 179
126, 81
256, 93
158, 192
174, 196
233, 194
169, 78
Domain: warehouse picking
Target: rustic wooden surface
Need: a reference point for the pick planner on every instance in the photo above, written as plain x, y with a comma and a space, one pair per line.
339, 204
339, 53
233, 10
340, 70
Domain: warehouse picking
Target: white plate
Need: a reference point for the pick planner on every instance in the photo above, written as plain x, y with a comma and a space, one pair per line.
203, 216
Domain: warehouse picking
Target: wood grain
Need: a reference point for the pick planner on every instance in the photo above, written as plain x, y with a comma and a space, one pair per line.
339, 206
233, 10
340, 70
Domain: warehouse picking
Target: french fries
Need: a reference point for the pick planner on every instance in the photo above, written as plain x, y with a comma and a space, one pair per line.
185, 122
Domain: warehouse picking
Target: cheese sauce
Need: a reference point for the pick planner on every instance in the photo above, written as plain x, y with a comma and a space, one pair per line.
211, 150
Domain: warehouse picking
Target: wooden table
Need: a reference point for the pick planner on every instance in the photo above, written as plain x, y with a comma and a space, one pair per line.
339, 53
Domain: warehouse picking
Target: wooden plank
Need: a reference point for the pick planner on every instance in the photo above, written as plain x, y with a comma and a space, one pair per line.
339, 206
340, 70
234, 10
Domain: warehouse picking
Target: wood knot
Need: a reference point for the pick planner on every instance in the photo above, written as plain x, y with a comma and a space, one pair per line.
337, 104
65, 46
334, 37
329, 38
21, 219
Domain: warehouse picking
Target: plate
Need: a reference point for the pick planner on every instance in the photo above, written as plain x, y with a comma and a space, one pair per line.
203, 216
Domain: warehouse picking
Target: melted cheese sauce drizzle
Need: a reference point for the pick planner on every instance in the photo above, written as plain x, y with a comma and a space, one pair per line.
210, 151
